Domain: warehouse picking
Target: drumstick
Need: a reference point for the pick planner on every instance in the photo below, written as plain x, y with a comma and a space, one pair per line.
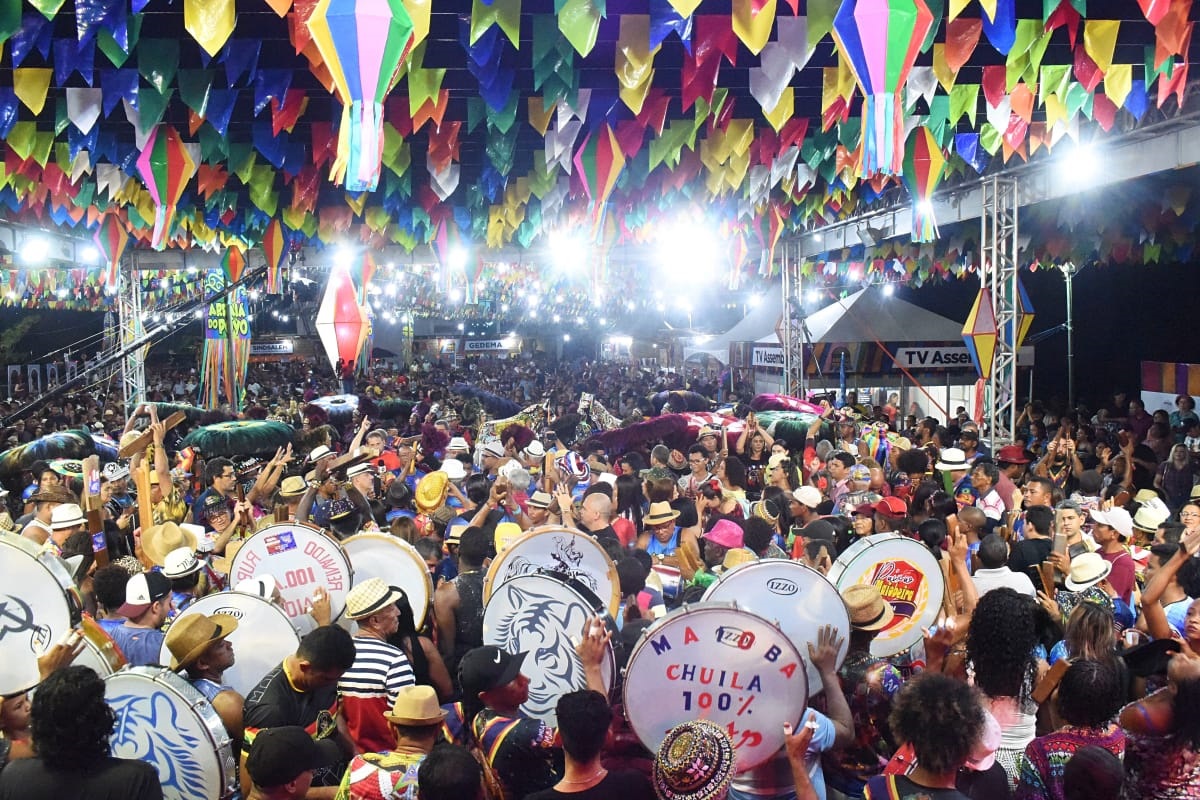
1046, 572
141, 480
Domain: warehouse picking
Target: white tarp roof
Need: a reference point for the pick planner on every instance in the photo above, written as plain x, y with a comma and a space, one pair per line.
753, 327
869, 315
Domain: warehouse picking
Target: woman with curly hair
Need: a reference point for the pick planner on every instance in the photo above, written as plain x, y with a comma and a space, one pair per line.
1088, 699
941, 719
71, 724
1002, 651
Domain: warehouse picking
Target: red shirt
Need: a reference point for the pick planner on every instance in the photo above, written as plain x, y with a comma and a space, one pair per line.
1121, 577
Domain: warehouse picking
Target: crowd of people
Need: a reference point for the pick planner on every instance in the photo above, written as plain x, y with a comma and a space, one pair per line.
1063, 663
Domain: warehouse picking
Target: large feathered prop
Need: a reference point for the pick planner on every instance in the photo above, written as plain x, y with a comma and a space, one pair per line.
76, 445
337, 407
533, 417
192, 413
783, 402
243, 437
493, 404
793, 427
671, 429
678, 401
518, 435
397, 409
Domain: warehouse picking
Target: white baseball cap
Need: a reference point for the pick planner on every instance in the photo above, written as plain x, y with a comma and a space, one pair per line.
808, 496
180, 563
1116, 518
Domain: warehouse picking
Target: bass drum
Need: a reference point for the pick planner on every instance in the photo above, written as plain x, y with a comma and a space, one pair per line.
716, 662
552, 548
263, 638
39, 605
908, 577
300, 558
796, 598
544, 616
396, 563
163, 720
99, 652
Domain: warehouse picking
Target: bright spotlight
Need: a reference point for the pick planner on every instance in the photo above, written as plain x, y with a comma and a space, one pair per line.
925, 207
455, 295
565, 249
566, 337
557, 318
688, 252
602, 321
458, 257
579, 320
504, 308
344, 256
888, 289
755, 300
814, 295
461, 326
533, 313
35, 250
1078, 164
89, 254
254, 294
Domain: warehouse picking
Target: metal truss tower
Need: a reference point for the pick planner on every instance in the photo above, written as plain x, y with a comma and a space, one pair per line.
793, 323
129, 318
998, 274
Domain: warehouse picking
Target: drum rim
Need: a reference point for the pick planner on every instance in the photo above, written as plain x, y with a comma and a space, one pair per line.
203, 710
489, 580
379, 536
336, 612
610, 656
699, 608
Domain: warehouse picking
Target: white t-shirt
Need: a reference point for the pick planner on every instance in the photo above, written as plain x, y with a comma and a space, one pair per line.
988, 579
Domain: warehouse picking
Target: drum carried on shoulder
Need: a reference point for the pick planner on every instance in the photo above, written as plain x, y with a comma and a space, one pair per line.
163, 720
39, 605
301, 558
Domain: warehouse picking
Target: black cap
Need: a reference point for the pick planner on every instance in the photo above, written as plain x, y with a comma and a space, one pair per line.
279, 755
488, 667
818, 529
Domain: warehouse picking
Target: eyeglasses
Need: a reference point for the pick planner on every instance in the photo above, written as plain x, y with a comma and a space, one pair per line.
1183, 514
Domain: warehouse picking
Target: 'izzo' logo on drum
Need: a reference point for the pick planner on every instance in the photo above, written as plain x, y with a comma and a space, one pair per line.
782, 586
733, 637
236, 613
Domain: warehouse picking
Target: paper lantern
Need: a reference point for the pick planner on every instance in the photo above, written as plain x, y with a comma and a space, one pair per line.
166, 165
341, 322
924, 164
980, 333
880, 39
363, 43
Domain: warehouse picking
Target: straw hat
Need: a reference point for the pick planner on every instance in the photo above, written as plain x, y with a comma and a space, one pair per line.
1086, 571
431, 492
417, 706
1151, 514
736, 557
659, 513
67, 515
694, 762
868, 611
159, 540
370, 597
292, 486
192, 634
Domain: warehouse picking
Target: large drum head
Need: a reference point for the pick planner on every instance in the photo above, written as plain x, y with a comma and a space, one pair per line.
36, 610
396, 563
544, 617
562, 551
712, 661
300, 558
263, 638
908, 577
163, 720
796, 598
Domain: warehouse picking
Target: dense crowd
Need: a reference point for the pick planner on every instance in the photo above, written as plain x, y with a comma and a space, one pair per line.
1062, 662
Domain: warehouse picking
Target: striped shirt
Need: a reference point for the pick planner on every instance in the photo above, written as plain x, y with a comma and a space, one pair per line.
369, 689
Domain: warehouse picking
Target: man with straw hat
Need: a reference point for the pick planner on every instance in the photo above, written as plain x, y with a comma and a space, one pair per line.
200, 648
380, 670
415, 720
869, 685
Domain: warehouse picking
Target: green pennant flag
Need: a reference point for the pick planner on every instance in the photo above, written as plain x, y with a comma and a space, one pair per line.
108, 45
820, 19
158, 61
396, 153
1055, 79
10, 19
262, 189
49, 8
849, 133
152, 105
938, 9
194, 86
503, 119
61, 121
990, 138
939, 118
500, 150
1076, 97
964, 100
214, 147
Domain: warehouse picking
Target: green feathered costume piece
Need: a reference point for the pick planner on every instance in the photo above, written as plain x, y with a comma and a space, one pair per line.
792, 427
239, 438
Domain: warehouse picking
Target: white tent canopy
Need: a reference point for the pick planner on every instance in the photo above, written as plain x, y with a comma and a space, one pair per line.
752, 328
870, 315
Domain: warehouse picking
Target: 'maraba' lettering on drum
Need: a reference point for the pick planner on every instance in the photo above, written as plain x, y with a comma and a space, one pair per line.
333, 575
732, 679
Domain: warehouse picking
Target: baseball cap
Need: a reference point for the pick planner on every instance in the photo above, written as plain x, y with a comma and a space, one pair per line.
808, 496
1117, 518
891, 507
142, 590
488, 667
280, 755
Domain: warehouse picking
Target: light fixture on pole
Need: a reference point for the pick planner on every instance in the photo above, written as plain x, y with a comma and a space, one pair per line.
1068, 269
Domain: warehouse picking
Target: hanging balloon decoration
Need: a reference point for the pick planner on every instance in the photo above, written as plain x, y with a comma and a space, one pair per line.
924, 164
880, 40
110, 239
166, 165
363, 43
341, 322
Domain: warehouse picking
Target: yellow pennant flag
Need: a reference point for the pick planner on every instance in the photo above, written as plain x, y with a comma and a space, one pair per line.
504, 13
418, 12
782, 111
941, 70
31, 85
989, 8
1118, 80
957, 6
753, 27
210, 22
1100, 40
685, 8
540, 113
634, 60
